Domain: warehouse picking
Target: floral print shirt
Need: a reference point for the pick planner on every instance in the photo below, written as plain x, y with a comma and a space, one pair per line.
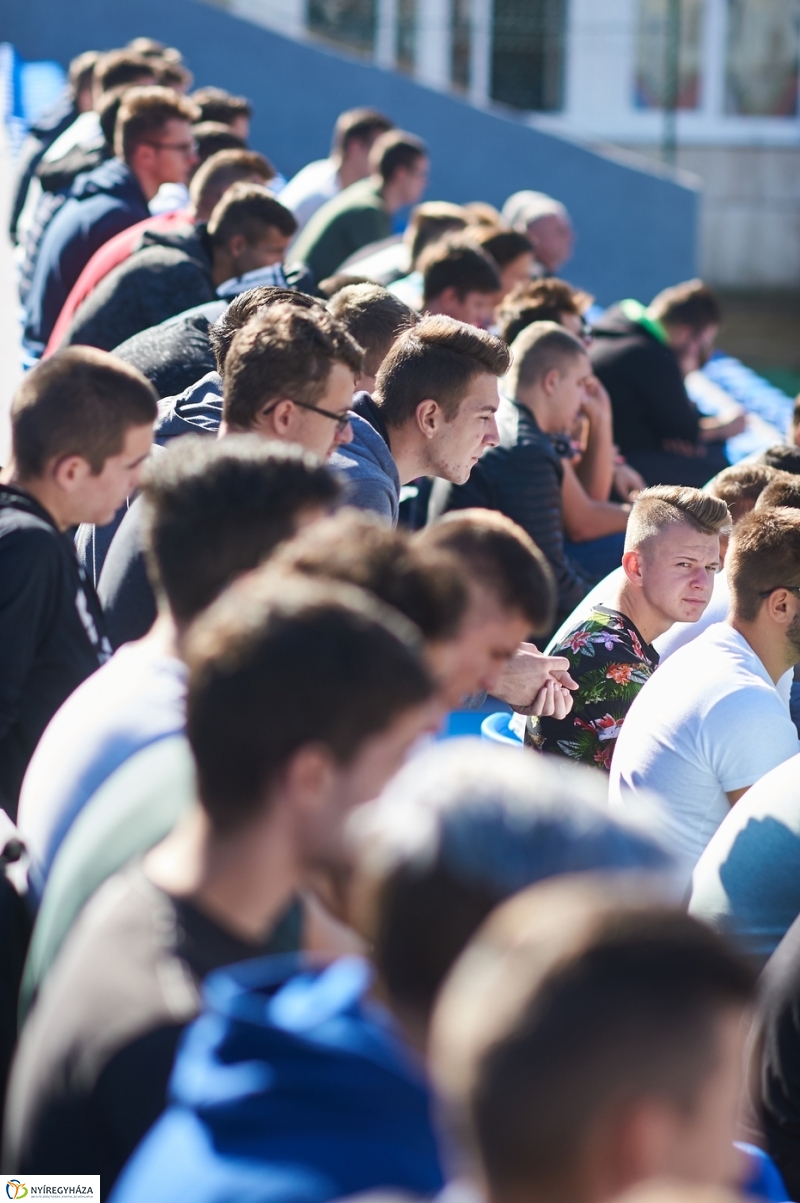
611, 662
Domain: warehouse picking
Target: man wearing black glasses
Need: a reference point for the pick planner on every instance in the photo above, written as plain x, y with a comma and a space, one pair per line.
154, 145
710, 723
289, 376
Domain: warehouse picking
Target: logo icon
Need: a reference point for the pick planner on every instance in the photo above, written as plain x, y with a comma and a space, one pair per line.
16, 1189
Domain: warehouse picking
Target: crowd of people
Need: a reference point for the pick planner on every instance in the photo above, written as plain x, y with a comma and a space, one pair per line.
298, 468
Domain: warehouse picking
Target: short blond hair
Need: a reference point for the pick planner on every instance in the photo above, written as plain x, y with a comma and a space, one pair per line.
661, 507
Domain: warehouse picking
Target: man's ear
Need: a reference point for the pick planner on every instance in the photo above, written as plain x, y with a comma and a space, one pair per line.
278, 422
428, 417
308, 774
632, 567
550, 382
236, 245
70, 471
782, 607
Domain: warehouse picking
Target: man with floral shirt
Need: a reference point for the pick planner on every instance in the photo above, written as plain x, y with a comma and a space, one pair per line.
671, 557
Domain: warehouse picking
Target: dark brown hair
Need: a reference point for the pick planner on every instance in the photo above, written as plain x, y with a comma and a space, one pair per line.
81, 70
741, 485
214, 509
764, 554
278, 663
358, 125
374, 316
504, 246
784, 456
460, 264
248, 209
690, 304
213, 136
120, 67
437, 359
501, 557
215, 104
393, 150
215, 176
541, 348
783, 490
538, 301
247, 305
286, 352
143, 114
429, 221
80, 401
426, 585
526, 1076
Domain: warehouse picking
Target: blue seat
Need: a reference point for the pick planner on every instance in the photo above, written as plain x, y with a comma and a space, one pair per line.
495, 728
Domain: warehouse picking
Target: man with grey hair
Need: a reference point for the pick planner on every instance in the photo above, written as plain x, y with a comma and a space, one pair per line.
546, 223
670, 560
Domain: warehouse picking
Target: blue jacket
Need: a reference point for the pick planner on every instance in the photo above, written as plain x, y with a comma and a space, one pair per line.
292, 1087
366, 465
100, 204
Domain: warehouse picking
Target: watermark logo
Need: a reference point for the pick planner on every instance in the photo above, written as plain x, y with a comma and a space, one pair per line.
16, 1189
54, 1186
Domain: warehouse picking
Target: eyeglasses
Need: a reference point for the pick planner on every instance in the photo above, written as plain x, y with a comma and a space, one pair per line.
342, 420
795, 589
185, 148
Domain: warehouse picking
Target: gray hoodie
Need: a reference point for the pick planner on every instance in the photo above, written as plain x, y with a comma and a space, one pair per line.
197, 410
370, 474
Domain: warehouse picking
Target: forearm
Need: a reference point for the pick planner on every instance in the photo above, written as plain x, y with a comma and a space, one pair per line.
595, 469
594, 520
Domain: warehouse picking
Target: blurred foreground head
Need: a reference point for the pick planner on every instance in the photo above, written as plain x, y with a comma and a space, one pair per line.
591, 1038
459, 830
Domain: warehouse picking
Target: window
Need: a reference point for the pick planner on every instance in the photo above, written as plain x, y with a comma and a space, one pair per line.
406, 34
461, 43
761, 61
348, 23
655, 46
528, 53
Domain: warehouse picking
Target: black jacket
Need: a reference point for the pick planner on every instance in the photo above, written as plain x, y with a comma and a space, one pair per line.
175, 354
522, 478
50, 125
169, 274
52, 631
644, 382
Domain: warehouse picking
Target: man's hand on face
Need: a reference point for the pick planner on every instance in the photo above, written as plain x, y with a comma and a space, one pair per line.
532, 683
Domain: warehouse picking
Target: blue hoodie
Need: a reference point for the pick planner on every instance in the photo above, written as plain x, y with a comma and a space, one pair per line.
366, 465
292, 1087
101, 204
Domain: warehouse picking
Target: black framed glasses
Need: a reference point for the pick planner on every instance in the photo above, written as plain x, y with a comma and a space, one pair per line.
342, 420
795, 589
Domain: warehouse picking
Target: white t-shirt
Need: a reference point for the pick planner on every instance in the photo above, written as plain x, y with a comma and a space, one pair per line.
708, 722
135, 699
308, 191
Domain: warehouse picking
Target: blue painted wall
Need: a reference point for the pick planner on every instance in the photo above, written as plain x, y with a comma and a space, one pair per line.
636, 230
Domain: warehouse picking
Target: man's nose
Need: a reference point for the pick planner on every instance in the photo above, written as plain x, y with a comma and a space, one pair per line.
492, 436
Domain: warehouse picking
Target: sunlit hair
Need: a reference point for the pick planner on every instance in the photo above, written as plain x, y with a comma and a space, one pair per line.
662, 507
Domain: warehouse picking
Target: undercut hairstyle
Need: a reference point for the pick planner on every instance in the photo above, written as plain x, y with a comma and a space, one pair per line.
121, 67
524, 1077
541, 348
782, 490
375, 317
429, 221
286, 352
80, 401
248, 209
215, 104
539, 301
662, 507
215, 509
763, 555
504, 246
784, 456
740, 486
502, 558
456, 833
426, 585
438, 359
245, 306
358, 125
213, 136
280, 663
395, 150
691, 304
143, 114
458, 264
81, 71
216, 175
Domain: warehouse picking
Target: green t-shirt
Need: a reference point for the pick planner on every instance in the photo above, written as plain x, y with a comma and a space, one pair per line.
349, 221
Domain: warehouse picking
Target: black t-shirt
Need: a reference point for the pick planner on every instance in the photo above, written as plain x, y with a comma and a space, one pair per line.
52, 631
125, 592
775, 1065
91, 1072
